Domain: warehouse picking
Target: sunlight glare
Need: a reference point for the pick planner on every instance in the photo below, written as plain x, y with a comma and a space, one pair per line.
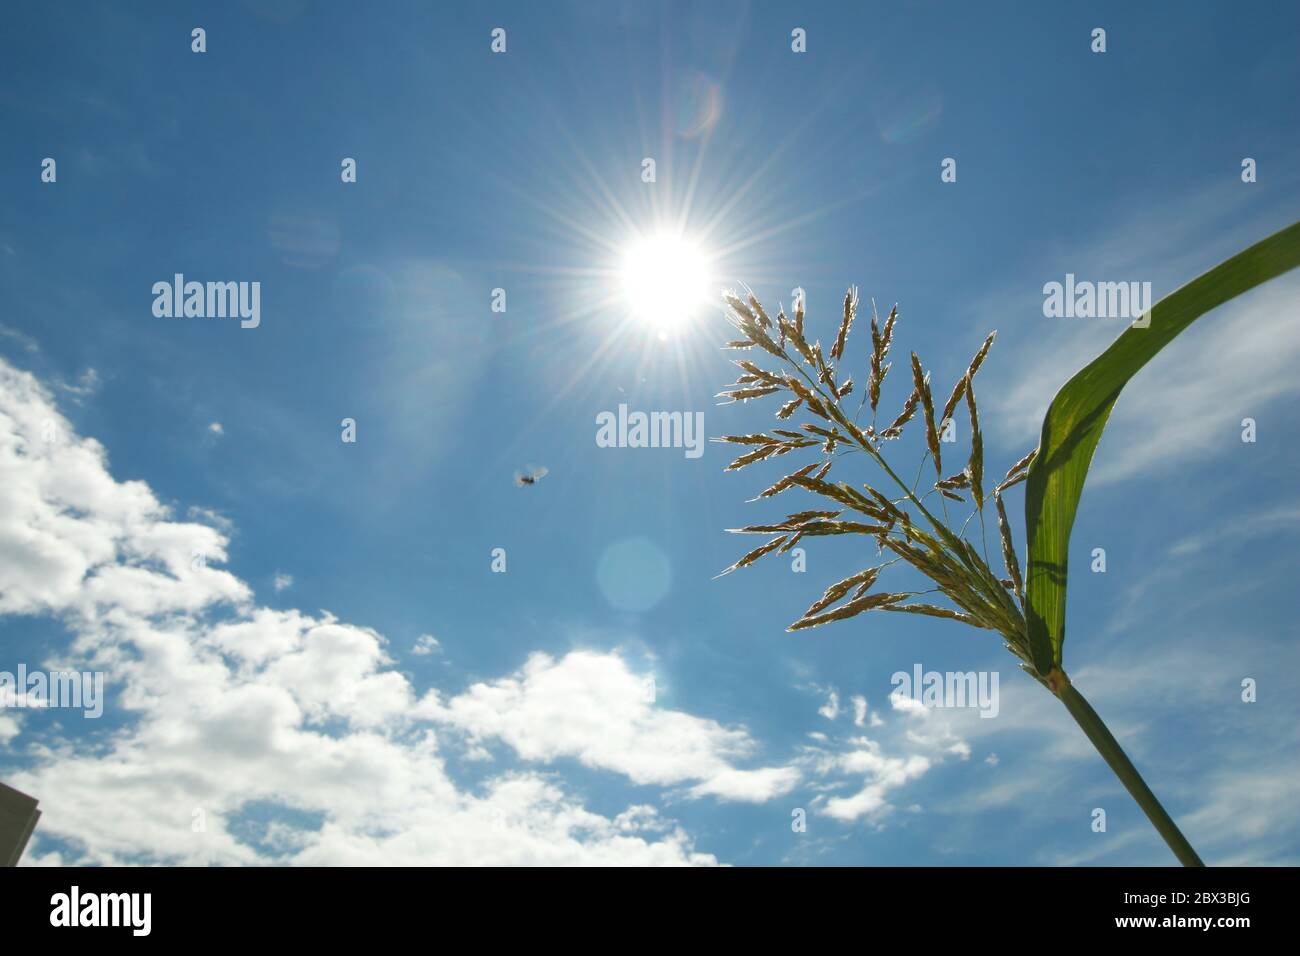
666, 279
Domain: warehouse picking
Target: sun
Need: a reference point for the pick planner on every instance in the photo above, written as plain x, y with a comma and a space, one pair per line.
666, 279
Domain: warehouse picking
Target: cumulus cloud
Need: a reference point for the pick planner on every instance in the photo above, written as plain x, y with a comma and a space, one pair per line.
74, 540
231, 707
594, 708
254, 734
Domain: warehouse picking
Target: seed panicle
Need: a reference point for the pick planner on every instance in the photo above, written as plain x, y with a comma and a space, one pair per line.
900, 524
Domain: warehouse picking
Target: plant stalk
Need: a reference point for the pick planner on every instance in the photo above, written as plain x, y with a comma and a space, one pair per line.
1114, 755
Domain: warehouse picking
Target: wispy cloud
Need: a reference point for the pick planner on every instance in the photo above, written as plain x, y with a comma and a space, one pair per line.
831, 709
425, 645
210, 516
22, 339
1187, 405
1284, 519
86, 385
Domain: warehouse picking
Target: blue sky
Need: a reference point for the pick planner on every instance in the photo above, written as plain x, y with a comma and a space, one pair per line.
301, 720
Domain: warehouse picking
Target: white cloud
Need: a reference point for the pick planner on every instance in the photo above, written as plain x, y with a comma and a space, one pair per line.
425, 645
26, 342
86, 385
1179, 683
217, 428
831, 709
73, 539
859, 711
210, 516
1247, 809
594, 708
876, 766
1280, 520
229, 705
884, 774
1187, 404
282, 581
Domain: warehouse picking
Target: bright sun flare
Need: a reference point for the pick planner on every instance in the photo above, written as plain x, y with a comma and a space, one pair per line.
666, 279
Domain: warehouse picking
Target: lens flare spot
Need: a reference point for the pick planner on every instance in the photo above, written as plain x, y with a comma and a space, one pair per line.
634, 575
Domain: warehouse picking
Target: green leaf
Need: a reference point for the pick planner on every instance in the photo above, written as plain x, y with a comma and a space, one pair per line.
1077, 416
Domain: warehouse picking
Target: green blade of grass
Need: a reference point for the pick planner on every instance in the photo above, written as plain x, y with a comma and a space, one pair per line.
1077, 416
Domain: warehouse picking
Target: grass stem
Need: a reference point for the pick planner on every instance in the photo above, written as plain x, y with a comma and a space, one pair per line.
1114, 755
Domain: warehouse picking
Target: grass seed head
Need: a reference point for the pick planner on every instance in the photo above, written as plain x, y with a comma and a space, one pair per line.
901, 525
